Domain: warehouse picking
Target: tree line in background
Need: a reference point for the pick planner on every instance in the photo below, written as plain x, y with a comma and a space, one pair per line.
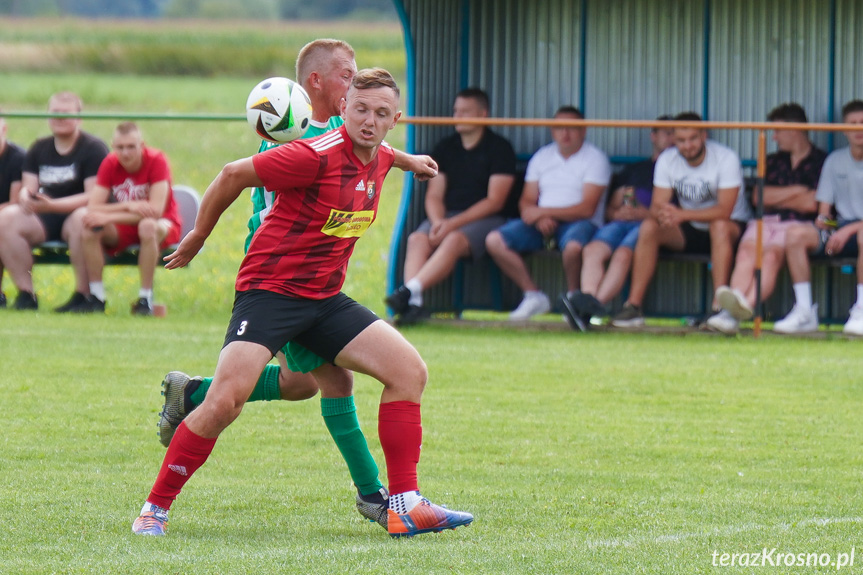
208, 9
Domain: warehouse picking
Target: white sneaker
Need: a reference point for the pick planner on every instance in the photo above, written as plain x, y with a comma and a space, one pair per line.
532, 304
724, 322
854, 325
798, 320
734, 302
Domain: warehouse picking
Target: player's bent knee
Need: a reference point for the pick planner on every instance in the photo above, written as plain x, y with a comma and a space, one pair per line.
297, 386
215, 414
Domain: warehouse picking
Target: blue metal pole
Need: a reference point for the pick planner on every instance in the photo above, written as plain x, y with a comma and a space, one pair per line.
408, 182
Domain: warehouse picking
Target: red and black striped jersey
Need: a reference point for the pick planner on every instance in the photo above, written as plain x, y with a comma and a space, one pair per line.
325, 200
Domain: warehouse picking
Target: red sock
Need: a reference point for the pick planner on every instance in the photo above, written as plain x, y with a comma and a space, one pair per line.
401, 434
186, 453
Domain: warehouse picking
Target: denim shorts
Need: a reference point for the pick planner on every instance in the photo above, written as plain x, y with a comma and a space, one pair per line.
523, 238
619, 234
851, 248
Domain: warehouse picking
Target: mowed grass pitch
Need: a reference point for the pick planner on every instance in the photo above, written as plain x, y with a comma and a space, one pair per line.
605, 453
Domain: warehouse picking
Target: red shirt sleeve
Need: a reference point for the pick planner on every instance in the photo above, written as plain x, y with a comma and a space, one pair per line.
106, 171
291, 165
159, 169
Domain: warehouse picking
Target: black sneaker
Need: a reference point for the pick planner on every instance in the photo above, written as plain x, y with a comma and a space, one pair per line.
142, 307
573, 317
587, 305
26, 300
629, 316
398, 300
92, 305
2, 300
74, 302
414, 315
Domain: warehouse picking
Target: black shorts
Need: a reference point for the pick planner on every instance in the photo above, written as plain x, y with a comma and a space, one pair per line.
53, 224
322, 326
698, 241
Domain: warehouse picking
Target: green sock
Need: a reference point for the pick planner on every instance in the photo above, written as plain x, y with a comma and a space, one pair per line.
267, 388
340, 415
199, 394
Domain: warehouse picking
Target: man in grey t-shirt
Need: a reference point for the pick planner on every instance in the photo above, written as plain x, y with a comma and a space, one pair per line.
839, 194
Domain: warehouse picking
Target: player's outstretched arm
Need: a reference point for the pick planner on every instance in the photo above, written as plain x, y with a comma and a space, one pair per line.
221, 193
423, 167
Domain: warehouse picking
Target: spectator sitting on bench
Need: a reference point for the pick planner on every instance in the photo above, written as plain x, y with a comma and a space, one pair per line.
562, 203
840, 188
615, 241
462, 203
58, 172
706, 178
11, 160
791, 179
142, 211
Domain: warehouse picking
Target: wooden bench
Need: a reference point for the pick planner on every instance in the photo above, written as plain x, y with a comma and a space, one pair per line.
188, 202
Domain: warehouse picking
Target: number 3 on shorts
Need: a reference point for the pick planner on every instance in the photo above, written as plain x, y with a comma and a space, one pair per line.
242, 328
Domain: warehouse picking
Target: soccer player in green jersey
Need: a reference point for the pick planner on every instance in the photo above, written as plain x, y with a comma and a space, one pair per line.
325, 67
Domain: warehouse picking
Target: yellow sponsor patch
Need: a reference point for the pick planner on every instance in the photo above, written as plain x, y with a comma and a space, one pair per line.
348, 224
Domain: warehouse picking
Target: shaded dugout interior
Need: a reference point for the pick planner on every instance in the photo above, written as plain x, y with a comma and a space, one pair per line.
729, 60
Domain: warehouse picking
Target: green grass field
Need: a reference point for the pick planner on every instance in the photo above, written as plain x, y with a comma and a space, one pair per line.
605, 453
598, 453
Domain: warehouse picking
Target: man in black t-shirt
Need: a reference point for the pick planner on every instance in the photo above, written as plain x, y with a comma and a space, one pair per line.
462, 204
11, 159
58, 172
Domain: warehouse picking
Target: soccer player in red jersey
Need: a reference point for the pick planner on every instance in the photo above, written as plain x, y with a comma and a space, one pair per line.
289, 289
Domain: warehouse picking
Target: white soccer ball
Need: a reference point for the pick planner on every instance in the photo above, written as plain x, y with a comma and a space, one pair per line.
279, 110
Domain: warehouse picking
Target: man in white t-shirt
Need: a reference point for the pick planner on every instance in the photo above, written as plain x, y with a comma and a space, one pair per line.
562, 204
706, 180
840, 191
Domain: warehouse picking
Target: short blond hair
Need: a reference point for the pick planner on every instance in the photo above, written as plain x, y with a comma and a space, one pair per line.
316, 55
70, 97
126, 128
369, 78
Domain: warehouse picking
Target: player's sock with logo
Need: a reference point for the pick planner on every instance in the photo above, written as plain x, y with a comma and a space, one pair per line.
185, 455
400, 430
402, 503
340, 416
266, 389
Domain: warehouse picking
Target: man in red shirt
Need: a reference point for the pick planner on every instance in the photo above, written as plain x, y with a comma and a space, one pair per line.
289, 289
143, 212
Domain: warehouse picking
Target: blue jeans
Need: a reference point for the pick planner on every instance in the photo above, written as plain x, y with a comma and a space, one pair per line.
619, 234
522, 238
